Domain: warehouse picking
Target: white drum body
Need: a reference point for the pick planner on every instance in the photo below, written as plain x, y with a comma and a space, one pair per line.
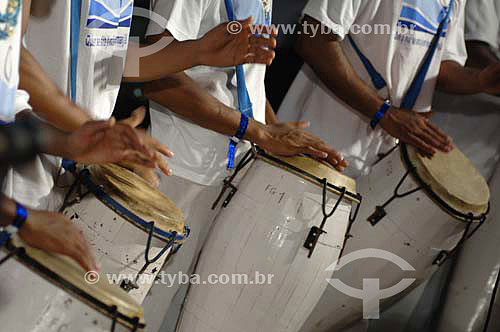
471, 286
263, 230
415, 229
31, 303
119, 245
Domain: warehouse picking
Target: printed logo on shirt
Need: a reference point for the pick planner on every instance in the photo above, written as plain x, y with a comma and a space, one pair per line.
110, 14
423, 15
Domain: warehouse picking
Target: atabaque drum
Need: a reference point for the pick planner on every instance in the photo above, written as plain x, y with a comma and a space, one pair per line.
468, 299
78, 302
416, 212
263, 267
131, 226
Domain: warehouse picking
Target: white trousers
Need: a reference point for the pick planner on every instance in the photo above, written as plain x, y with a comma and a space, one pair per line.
162, 305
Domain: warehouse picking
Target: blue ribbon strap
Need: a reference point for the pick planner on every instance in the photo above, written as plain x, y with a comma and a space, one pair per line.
377, 79
244, 103
413, 92
416, 86
76, 12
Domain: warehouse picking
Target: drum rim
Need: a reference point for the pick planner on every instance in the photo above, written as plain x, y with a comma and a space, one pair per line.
31, 263
125, 213
354, 197
434, 196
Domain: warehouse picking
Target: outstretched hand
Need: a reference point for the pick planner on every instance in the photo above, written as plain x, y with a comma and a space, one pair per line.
415, 129
238, 42
54, 233
98, 142
291, 139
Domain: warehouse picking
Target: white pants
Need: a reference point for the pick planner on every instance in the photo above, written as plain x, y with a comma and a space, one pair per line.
33, 184
163, 304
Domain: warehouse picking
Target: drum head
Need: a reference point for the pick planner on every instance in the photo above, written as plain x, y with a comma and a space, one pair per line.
453, 179
69, 276
314, 170
135, 194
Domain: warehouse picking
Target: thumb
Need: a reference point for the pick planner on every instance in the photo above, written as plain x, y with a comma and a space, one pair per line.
95, 126
136, 118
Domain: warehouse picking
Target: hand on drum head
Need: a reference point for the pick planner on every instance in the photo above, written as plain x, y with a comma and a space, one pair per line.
99, 142
224, 46
54, 233
147, 174
291, 139
416, 129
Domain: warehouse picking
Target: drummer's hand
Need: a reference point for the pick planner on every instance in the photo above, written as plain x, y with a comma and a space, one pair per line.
147, 174
54, 233
291, 139
98, 142
156, 149
416, 130
489, 78
231, 44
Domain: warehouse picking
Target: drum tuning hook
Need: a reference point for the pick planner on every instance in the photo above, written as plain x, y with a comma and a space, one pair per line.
315, 232
228, 181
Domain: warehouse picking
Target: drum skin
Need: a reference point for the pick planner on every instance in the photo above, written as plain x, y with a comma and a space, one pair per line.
263, 229
415, 229
471, 286
36, 304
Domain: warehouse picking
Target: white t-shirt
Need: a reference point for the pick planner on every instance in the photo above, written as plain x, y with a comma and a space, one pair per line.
104, 36
10, 45
482, 22
396, 56
201, 154
104, 29
460, 116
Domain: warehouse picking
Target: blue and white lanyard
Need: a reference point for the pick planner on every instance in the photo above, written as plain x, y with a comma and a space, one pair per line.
76, 12
244, 102
415, 88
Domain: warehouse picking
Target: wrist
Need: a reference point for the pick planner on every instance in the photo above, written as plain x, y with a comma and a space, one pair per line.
18, 222
67, 147
380, 114
389, 117
197, 52
7, 211
257, 133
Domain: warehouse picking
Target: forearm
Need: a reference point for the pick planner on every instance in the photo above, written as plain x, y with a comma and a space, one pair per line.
182, 95
454, 78
55, 140
325, 56
271, 117
7, 210
47, 100
480, 54
163, 57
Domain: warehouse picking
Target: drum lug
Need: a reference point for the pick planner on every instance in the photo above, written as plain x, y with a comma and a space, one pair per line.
312, 239
378, 215
441, 258
230, 195
228, 182
128, 285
